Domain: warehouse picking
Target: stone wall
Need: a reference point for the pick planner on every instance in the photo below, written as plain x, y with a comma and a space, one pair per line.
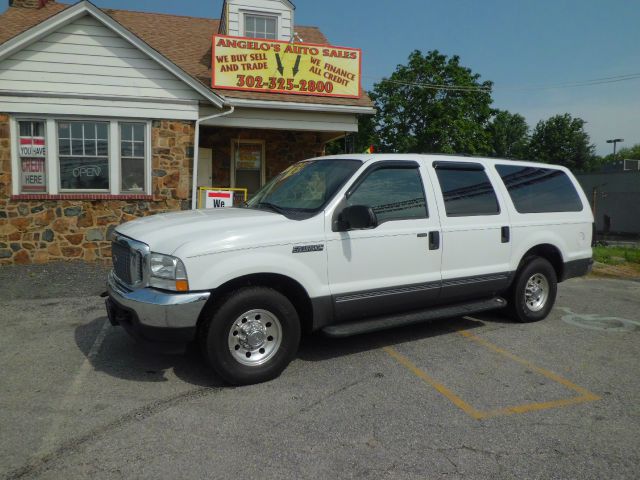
282, 148
38, 231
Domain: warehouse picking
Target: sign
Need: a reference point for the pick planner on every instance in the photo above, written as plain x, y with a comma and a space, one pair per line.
32, 147
33, 177
218, 199
249, 156
257, 65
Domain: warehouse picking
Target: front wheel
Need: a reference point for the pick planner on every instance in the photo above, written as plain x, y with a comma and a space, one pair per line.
534, 291
251, 336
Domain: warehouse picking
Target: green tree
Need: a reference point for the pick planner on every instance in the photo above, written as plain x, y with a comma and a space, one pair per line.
509, 135
414, 116
562, 140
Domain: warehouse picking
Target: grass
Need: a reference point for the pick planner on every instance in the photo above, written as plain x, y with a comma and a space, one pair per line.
616, 255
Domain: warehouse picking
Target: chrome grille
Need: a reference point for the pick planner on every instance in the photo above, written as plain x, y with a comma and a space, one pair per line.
128, 257
121, 257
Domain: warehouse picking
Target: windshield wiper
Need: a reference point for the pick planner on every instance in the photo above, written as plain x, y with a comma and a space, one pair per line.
272, 207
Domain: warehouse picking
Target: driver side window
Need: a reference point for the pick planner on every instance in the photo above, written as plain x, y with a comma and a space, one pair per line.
393, 194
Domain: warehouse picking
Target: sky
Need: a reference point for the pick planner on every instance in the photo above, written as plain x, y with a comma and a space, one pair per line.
523, 46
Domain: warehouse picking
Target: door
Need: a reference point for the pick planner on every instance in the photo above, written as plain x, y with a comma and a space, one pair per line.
391, 267
248, 165
205, 167
476, 244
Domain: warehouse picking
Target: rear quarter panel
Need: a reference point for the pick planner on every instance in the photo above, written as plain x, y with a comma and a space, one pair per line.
569, 232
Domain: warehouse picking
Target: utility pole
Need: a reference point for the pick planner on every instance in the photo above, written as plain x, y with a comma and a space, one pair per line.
615, 141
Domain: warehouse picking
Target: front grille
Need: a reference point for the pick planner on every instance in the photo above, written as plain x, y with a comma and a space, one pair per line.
128, 260
121, 257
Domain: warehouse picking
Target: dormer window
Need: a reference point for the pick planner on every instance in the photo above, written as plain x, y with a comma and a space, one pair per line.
260, 26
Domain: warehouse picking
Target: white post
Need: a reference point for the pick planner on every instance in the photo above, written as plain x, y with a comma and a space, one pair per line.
196, 153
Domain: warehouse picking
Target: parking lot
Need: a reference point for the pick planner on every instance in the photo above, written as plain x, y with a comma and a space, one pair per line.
472, 397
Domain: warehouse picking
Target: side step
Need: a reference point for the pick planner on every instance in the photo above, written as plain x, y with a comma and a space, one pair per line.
391, 321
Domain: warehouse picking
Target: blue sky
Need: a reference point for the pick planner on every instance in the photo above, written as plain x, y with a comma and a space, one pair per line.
518, 44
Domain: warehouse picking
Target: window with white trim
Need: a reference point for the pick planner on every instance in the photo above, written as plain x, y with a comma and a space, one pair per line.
260, 26
32, 150
132, 157
84, 156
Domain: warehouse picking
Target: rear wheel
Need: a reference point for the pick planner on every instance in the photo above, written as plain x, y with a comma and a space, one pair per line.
251, 336
534, 291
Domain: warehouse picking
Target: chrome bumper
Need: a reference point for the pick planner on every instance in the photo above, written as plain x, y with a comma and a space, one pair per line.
157, 309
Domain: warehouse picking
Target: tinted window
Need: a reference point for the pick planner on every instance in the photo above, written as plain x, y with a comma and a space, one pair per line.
467, 192
393, 193
539, 190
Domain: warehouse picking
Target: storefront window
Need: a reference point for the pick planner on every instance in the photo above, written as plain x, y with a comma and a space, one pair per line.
260, 26
248, 163
83, 151
132, 156
33, 152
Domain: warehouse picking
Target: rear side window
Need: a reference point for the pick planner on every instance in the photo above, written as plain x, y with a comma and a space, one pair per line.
392, 193
467, 191
539, 190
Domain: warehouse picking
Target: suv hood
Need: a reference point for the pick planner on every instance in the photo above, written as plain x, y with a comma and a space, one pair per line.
198, 232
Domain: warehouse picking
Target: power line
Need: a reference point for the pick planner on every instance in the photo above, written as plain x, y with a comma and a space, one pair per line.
473, 88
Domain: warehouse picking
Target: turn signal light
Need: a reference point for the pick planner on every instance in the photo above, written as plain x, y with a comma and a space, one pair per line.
182, 285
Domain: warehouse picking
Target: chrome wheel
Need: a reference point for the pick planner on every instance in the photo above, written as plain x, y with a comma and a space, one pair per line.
536, 292
255, 337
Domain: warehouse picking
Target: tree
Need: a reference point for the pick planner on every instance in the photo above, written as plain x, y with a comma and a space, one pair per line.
413, 116
562, 139
509, 135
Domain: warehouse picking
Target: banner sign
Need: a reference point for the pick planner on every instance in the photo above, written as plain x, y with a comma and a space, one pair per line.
33, 176
218, 199
257, 65
32, 147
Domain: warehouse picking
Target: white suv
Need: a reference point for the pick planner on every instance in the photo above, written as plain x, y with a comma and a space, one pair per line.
350, 244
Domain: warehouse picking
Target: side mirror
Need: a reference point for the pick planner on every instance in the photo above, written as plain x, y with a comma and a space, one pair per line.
356, 217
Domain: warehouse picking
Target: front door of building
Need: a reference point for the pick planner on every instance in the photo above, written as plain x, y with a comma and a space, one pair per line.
248, 165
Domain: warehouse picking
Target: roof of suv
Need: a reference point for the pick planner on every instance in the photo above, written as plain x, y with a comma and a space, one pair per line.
369, 157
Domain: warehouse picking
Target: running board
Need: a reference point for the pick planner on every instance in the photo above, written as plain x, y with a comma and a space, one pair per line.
391, 321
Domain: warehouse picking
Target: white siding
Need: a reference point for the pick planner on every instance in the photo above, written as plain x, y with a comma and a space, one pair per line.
281, 9
40, 105
87, 58
284, 120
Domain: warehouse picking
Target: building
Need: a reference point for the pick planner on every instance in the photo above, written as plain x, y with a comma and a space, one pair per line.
109, 115
615, 200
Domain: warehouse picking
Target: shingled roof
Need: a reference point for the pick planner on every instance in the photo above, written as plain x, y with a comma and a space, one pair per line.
185, 41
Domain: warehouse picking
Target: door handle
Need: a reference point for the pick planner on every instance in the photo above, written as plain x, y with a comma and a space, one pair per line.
434, 240
506, 234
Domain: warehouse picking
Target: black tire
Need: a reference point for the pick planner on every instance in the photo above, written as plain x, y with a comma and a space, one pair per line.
540, 272
224, 323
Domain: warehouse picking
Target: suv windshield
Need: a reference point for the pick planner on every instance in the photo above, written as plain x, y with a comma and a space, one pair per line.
304, 187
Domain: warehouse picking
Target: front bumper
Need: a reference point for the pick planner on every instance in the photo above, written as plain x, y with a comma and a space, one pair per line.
154, 315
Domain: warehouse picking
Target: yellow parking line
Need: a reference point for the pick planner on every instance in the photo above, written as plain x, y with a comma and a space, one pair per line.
456, 400
547, 373
585, 395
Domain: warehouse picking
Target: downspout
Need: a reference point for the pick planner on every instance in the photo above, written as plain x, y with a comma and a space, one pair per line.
196, 153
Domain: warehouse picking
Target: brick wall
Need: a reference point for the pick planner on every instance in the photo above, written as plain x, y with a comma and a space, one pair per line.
38, 231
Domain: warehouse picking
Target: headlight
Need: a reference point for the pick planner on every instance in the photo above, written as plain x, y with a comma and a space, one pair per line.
168, 273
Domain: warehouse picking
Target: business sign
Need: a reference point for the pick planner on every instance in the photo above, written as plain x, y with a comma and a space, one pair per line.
33, 175
256, 65
32, 147
218, 199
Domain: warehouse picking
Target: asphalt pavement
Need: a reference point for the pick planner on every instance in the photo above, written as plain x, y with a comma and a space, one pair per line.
472, 397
